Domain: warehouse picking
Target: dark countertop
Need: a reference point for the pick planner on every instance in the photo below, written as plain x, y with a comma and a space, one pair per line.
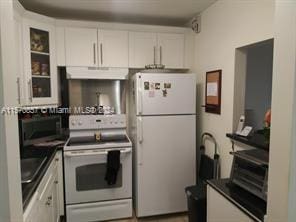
251, 205
256, 140
32, 152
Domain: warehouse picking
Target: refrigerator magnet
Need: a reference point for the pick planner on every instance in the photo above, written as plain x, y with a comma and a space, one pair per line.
152, 85
146, 85
164, 93
151, 94
157, 86
167, 85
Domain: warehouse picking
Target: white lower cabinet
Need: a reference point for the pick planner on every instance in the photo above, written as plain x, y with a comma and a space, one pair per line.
32, 211
60, 182
219, 209
47, 201
45, 204
105, 210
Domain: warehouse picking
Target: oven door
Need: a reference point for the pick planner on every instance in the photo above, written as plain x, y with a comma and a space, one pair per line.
85, 176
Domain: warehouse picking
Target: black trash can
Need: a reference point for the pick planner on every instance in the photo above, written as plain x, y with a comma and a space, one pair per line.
197, 205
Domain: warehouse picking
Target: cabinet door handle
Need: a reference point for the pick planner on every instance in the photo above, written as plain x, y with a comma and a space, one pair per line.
94, 48
140, 140
140, 132
139, 96
160, 55
154, 55
48, 202
18, 90
101, 51
30, 90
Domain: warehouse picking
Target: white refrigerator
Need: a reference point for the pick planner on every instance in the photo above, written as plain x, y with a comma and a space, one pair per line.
163, 131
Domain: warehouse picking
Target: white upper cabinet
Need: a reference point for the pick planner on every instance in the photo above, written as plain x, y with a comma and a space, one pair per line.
142, 49
171, 50
81, 47
19, 59
40, 69
151, 48
113, 48
60, 46
96, 48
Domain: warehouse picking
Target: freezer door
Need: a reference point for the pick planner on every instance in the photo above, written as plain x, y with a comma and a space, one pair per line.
165, 163
161, 94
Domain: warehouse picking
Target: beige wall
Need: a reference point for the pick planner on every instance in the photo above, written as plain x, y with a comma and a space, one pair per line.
283, 115
230, 24
225, 26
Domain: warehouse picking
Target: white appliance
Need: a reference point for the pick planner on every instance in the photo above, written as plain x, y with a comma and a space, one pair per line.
163, 131
88, 195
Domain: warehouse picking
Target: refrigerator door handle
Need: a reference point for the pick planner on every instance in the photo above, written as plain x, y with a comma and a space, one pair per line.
139, 96
140, 132
140, 141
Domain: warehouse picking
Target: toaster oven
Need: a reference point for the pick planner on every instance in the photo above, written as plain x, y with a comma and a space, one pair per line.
250, 171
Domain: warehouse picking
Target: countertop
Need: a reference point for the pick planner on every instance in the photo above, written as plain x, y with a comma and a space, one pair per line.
256, 140
251, 205
32, 152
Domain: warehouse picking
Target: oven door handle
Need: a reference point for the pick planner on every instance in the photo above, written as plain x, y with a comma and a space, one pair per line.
94, 152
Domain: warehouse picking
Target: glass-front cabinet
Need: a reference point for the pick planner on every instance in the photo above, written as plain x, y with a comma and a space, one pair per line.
39, 63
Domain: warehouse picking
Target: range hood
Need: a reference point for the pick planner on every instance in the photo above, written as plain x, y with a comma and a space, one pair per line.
97, 73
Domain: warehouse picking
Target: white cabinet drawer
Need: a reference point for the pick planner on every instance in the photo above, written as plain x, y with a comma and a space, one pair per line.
103, 210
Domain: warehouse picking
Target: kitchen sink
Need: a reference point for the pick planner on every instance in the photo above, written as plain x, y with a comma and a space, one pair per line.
30, 168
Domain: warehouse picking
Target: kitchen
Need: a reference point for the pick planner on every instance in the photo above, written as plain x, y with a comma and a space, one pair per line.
98, 64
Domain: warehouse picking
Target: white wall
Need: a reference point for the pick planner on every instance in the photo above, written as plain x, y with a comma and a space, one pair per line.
225, 26
292, 179
281, 182
11, 208
258, 83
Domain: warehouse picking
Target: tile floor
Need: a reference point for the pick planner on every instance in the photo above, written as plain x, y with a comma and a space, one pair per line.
164, 218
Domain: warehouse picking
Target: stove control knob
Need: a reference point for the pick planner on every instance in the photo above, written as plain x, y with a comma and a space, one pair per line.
80, 123
73, 122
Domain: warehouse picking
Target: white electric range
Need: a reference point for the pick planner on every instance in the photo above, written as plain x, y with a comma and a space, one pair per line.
88, 195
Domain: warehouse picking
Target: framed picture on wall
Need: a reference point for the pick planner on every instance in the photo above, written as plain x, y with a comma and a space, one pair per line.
213, 91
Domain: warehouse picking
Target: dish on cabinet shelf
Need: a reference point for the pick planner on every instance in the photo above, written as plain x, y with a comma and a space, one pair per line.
39, 40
